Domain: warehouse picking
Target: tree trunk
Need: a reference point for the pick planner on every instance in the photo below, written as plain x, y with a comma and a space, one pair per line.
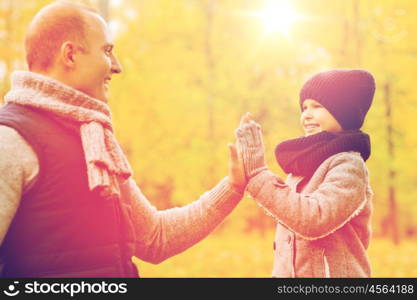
345, 37
392, 202
8, 13
357, 33
210, 65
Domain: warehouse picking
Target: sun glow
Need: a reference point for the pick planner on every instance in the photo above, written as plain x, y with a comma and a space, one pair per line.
278, 16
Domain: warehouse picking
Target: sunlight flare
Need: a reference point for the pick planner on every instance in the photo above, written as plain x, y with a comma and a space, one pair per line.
278, 16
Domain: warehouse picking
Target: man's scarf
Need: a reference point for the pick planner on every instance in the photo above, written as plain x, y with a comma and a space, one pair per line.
105, 160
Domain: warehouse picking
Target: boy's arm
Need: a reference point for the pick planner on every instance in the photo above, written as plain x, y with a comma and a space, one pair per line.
340, 197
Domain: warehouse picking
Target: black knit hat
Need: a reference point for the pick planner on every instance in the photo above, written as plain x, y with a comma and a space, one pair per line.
346, 93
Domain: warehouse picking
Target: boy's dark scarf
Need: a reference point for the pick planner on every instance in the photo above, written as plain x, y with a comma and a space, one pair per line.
302, 156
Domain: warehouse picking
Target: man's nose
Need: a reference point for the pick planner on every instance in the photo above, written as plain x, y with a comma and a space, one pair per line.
115, 66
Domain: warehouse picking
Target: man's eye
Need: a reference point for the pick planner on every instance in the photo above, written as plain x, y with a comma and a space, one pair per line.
108, 51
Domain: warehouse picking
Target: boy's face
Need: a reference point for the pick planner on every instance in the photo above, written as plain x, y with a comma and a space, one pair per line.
315, 118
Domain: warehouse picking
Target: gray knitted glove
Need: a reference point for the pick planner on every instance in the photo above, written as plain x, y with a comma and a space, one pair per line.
252, 148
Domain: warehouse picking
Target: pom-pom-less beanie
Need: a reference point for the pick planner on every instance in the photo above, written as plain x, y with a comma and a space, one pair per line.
346, 93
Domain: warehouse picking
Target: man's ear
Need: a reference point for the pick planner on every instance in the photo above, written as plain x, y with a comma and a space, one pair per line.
67, 54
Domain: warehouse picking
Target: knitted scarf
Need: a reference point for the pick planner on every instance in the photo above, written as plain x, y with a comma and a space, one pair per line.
104, 158
302, 156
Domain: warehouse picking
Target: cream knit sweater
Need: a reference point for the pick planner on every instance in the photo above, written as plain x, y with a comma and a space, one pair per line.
160, 234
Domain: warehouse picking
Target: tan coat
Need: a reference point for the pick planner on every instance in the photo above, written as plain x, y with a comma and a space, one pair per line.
324, 230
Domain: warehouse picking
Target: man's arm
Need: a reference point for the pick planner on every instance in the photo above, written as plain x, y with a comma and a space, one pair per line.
162, 234
18, 168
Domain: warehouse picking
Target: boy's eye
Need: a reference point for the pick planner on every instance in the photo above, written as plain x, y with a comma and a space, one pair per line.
317, 106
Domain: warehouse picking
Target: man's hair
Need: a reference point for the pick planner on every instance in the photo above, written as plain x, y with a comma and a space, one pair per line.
52, 26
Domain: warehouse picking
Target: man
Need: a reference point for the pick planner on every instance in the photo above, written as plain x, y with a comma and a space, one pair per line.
68, 204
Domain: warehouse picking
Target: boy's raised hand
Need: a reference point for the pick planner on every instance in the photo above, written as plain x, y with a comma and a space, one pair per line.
250, 144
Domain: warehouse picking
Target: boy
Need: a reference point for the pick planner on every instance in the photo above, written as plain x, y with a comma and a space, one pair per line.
324, 206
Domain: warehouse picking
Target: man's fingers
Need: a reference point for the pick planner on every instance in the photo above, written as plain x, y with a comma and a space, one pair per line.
242, 121
245, 119
233, 152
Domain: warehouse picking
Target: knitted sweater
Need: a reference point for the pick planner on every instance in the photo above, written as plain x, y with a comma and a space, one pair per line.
159, 234
324, 230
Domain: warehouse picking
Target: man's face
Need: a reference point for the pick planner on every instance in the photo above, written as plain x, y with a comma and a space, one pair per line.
96, 64
316, 118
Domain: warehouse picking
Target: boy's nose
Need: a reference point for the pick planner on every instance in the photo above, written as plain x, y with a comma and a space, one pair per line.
306, 115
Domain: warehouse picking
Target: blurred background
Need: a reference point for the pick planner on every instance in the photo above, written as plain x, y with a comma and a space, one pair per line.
191, 68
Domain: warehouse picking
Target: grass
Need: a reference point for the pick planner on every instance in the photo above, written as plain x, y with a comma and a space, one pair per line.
389, 260
251, 255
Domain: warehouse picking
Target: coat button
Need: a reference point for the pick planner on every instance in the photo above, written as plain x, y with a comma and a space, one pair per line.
274, 246
289, 239
279, 183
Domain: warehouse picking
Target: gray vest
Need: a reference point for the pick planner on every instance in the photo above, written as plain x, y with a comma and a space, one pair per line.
61, 229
